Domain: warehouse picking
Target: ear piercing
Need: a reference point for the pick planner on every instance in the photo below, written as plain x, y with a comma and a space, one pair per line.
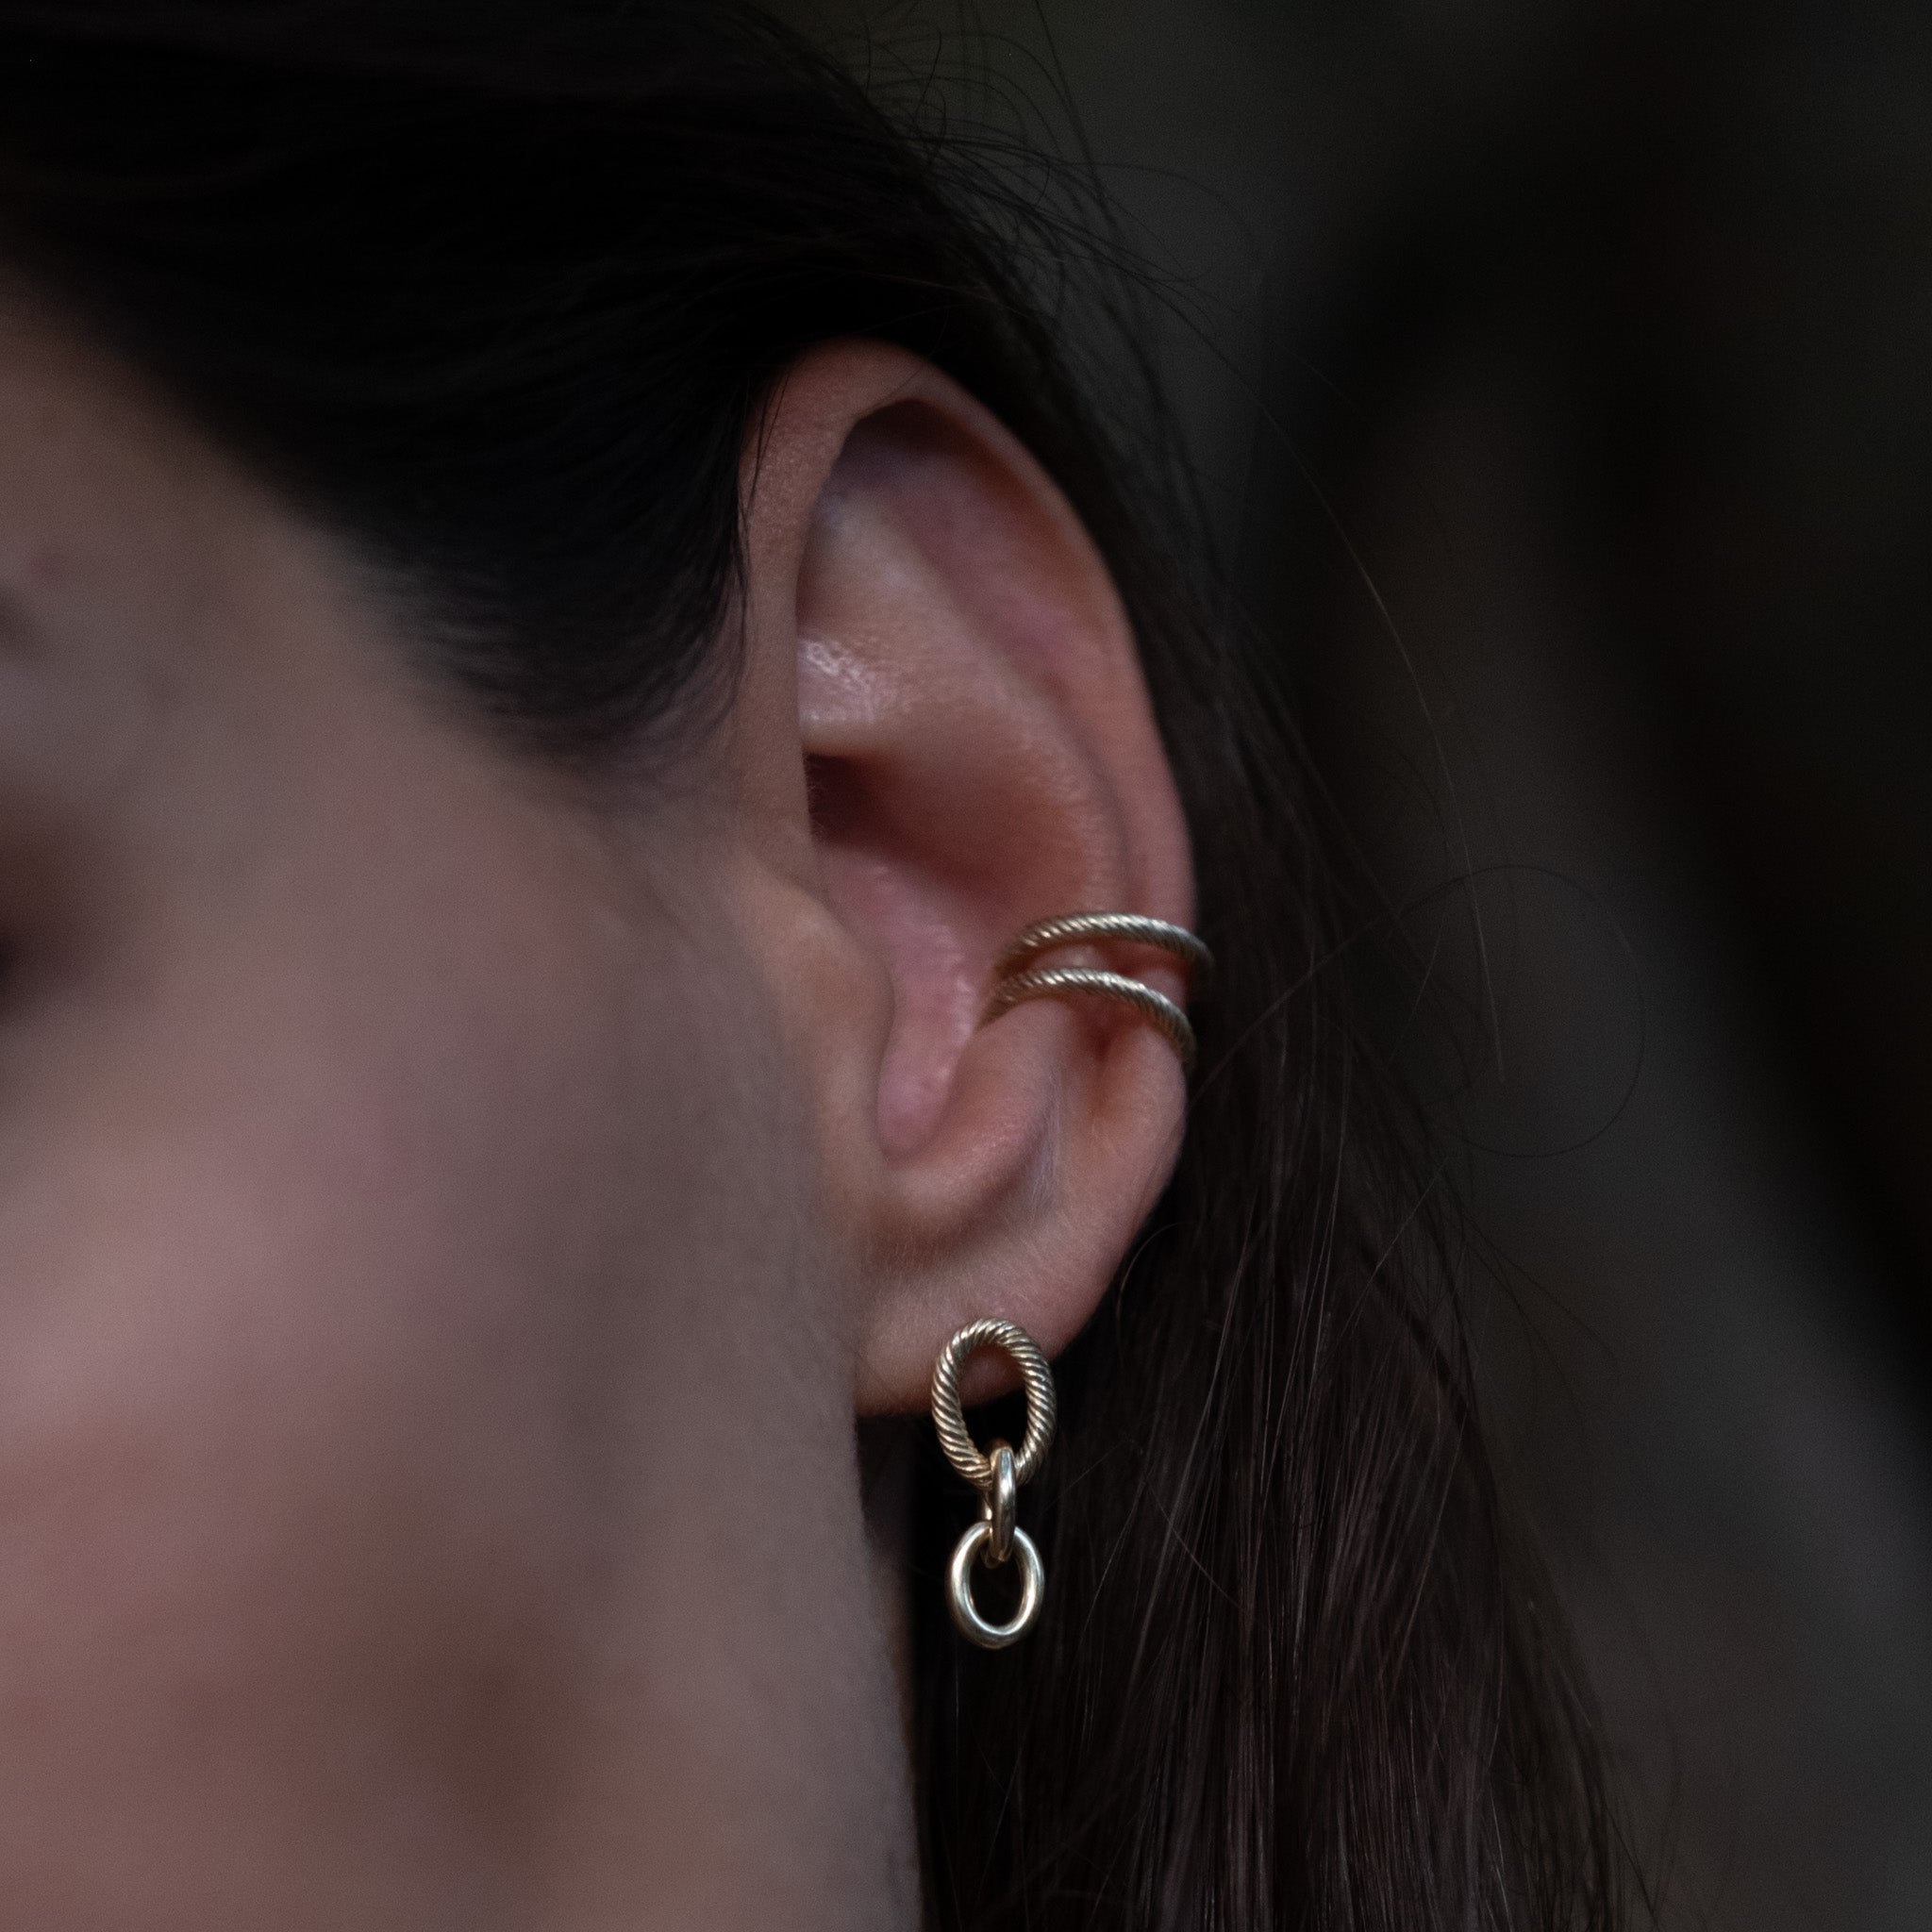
997, 1474
1015, 978
998, 1470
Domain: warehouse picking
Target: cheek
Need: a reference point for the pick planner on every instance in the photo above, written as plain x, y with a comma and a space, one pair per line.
307, 1252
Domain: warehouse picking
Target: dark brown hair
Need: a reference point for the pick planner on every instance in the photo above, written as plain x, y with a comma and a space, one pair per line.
494, 292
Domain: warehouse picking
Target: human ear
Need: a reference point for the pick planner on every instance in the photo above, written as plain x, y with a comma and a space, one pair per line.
944, 735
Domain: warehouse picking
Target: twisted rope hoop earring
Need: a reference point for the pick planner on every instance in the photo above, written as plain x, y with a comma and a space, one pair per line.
1015, 978
997, 1474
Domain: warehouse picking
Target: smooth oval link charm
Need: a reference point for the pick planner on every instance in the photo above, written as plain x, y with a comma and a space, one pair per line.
966, 1617
999, 1504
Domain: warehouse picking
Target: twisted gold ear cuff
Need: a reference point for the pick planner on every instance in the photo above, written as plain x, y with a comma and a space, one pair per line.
1016, 979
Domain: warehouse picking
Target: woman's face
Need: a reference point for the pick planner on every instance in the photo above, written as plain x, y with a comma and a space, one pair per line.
379, 1236
449, 1212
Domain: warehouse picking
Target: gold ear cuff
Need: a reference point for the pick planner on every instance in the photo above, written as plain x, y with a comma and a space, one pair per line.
1015, 978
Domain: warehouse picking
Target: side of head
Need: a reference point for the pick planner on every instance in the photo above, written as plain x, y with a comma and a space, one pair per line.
559, 611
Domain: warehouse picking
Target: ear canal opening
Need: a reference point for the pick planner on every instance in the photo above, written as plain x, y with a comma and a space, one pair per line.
835, 795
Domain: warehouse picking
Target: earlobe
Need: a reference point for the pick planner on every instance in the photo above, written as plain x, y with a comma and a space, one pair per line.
975, 752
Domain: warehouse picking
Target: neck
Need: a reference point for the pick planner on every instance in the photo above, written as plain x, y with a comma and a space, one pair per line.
748, 1761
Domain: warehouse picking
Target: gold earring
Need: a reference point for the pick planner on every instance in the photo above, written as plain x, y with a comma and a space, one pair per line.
997, 1474
1015, 978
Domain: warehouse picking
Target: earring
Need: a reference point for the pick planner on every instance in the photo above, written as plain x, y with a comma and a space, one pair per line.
997, 1474
1015, 978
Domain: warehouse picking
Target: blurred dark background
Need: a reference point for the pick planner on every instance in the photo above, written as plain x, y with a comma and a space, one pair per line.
1560, 379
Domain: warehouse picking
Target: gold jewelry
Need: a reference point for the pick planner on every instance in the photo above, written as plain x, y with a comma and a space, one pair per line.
1014, 979
1131, 929
997, 1474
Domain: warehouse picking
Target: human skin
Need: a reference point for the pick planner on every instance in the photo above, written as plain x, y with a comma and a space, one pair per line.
453, 1213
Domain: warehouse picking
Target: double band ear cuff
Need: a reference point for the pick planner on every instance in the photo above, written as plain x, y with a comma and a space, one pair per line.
1016, 978
997, 1473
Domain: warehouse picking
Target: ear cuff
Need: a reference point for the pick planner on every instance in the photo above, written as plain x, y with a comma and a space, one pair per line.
1016, 978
